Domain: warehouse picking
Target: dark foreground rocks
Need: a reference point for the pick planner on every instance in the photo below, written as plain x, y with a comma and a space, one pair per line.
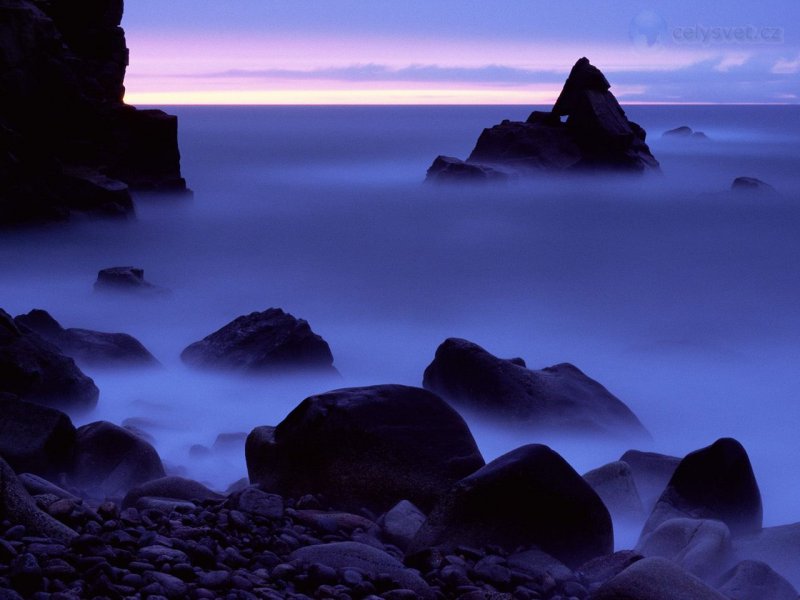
265, 342
67, 141
560, 397
365, 447
87, 347
33, 369
596, 136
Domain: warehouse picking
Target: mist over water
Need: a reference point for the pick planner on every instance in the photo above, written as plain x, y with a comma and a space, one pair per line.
679, 299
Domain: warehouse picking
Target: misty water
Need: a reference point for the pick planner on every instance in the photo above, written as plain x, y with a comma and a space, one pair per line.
679, 298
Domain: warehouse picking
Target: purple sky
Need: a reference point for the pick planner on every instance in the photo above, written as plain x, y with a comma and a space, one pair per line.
458, 51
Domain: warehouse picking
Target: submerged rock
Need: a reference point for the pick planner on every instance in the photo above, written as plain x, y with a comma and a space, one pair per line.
752, 185
125, 279
265, 342
365, 447
685, 132
596, 135
559, 397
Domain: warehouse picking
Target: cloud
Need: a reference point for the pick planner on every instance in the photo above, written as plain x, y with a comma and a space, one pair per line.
786, 67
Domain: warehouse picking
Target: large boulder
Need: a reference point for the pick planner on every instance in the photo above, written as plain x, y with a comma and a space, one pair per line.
365, 447
262, 342
616, 487
716, 482
528, 497
651, 471
88, 347
34, 438
35, 370
655, 579
779, 547
558, 397
173, 488
754, 580
110, 460
596, 135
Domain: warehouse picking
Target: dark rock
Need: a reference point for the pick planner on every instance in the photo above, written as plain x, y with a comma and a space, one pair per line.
85, 346
651, 472
125, 279
560, 397
402, 523
17, 506
230, 441
368, 560
331, 521
528, 497
596, 136
753, 580
253, 501
700, 546
175, 488
34, 438
779, 547
699, 135
343, 443
715, 482
599, 570
36, 485
113, 459
35, 370
655, 579
67, 140
751, 185
616, 487
683, 132
534, 562
266, 342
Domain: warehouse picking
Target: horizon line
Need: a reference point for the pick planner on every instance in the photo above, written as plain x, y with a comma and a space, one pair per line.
422, 104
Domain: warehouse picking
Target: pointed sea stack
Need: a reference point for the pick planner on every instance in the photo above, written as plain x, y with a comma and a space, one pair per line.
595, 136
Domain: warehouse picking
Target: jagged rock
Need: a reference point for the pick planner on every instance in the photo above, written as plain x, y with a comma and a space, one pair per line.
651, 472
125, 279
655, 579
779, 547
262, 342
35, 439
751, 185
558, 397
715, 482
753, 580
527, 497
173, 488
616, 487
342, 444
596, 136
67, 140
87, 346
112, 460
35, 370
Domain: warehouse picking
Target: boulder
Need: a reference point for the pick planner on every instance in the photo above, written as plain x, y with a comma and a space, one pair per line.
86, 346
367, 559
716, 482
753, 580
256, 502
683, 131
655, 579
651, 473
35, 370
751, 185
616, 487
365, 447
533, 562
110, 460
779, 547
700, 546
271, 341
125, 279
596, 135
38, 486
402, 523
599, 570
174, 488
527, 497
559, 397
34, 438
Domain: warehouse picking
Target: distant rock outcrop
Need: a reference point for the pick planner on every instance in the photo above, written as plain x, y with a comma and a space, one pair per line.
596, 135
125, 280
68, 142
684, 131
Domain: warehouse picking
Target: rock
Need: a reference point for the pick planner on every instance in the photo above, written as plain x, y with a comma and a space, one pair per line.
779, 547
174, 488
67, 141
559, 397
165, 505
751, 185
401, 523
125, 279
599, 570
330, 521
753, 580
596, 136
266, 342
253, 501
36, 485
616, 487
655, 579
113, 460
35, 370
35, 438
88, 347
369, 560
651, 473
17, 506
342, 445
715, 482
534, 562
700, 546
682, 131
527, 497
230, 441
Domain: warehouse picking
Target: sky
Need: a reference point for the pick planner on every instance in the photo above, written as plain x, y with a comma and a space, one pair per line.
458, 51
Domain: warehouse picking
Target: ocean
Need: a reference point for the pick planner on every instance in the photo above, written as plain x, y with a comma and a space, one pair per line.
680, 298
